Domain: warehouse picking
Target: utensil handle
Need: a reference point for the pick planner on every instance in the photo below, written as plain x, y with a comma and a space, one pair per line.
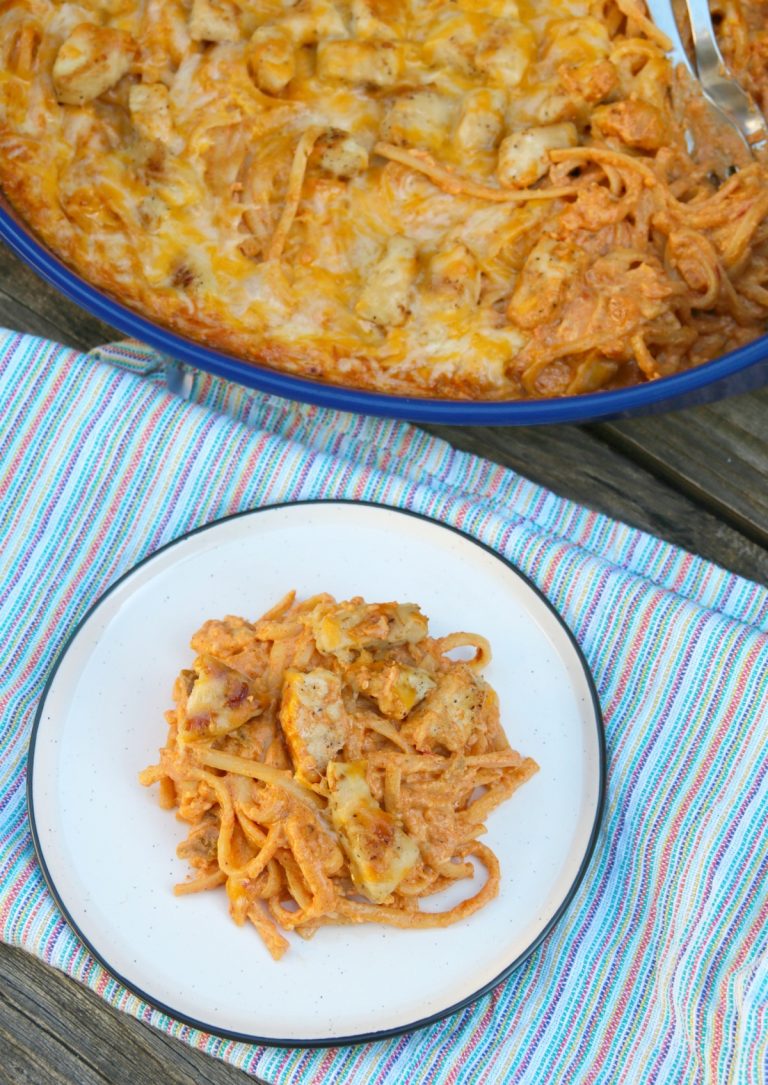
716, 78
663, 16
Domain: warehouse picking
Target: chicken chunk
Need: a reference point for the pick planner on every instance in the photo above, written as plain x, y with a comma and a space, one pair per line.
214, 20
91, 61
272, 58
452, 40
386, 297
637, 124
456, 275
450, 713
312, 21
481, 123
219, 700
395, 687
593, 82
370, 63
524, 156
341, 155
379, 19
313, 719
148, 103
380, 854
549, 267
576, 41
346, 628
505, 52
421, 118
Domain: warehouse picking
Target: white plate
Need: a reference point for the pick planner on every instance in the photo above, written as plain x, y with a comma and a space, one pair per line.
108, 850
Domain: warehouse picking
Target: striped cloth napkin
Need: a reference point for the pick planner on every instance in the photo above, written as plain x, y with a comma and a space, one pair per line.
658, 972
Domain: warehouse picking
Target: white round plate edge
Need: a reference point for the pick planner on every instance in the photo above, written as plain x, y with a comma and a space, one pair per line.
327, 1032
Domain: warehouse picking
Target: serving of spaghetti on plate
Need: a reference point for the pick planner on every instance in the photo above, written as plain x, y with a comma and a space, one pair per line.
336, 764
484, 200
108, 849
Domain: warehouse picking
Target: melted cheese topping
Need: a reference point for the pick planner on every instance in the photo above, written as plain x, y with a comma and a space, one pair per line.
351, 189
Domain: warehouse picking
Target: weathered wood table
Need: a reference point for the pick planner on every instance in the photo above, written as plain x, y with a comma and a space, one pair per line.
696, 478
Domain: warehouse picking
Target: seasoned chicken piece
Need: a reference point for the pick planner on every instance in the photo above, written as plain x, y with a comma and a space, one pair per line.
421, 118
341, 155
345, 628
214, 20
199, 849
220, 700
313, 719
395, 687
450, 713
380, 854
271, 58
90, 61
456, 272
380, 19
313, 21
481, 123
524, 156
549, 267
165, 39
637, 124
386, 297
505, 52
373, 63
576, 41
452, 40
148, 103
593, 82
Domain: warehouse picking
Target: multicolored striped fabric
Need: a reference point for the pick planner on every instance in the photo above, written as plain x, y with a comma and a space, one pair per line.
659, 970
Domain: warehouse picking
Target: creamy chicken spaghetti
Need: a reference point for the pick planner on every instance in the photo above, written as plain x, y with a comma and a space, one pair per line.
335, 765
485, 199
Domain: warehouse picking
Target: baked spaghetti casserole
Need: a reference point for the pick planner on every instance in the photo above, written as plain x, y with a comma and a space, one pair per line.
472, 199
336, 765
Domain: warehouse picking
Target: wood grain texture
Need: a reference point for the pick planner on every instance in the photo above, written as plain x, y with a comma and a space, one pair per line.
29, 304
716, 454
576, 463
695, 478
54, 1030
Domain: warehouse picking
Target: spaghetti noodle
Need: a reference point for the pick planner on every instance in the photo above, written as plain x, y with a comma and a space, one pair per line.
335, 765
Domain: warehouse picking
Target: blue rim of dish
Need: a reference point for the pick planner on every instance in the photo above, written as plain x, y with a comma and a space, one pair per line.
367, 1037
362, 1037
579, 408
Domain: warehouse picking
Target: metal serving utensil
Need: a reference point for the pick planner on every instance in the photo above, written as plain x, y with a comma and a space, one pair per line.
729, 101
718, 81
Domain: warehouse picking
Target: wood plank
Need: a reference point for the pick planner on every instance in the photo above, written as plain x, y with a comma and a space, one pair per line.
716, 454
25, 296
54, 1030
576, 463
20, 318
